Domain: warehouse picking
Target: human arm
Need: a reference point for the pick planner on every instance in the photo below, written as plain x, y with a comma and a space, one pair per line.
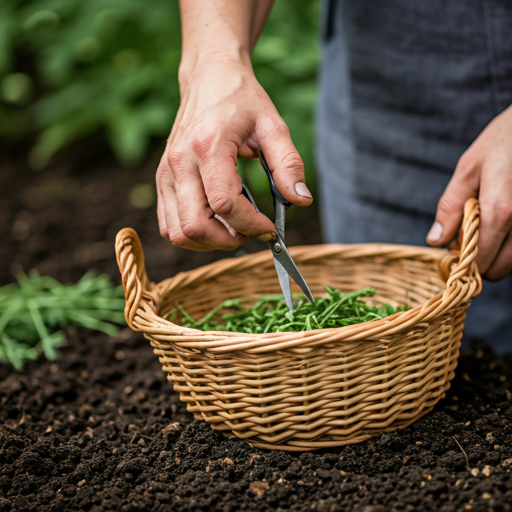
224, 113
483, 171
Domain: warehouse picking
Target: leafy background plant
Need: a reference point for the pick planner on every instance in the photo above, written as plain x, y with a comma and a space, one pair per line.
71, 68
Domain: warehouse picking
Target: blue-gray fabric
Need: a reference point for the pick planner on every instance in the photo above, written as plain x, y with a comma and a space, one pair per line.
405, 87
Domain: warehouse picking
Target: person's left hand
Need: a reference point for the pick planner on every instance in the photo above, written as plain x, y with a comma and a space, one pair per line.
483, 171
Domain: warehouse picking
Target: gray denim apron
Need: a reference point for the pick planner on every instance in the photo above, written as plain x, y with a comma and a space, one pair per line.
405, 87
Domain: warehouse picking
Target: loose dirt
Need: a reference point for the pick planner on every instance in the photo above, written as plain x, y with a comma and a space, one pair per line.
101, 429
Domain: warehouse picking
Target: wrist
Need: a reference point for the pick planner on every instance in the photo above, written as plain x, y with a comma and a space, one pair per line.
192, 61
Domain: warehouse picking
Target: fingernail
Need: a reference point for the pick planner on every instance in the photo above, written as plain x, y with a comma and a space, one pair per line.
435, 233
267, 237
302, 190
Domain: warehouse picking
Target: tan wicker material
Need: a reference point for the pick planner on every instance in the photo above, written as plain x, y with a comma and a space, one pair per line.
320, 388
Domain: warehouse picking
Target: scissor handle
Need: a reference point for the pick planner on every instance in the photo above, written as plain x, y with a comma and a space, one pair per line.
247, 193
275, 193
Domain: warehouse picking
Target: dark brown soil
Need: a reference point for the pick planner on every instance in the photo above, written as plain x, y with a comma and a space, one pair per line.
101, 428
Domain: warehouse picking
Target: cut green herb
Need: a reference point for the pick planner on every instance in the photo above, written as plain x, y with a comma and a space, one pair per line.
34, 311
270, 313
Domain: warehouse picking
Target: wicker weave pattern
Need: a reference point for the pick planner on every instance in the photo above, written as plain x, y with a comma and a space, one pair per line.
329, 387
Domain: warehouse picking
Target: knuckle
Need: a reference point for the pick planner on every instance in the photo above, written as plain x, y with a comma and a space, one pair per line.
466, 162
177, 238
467, 171
279, 130
191, 230
446, 205
270, 125
164, 233
175, 158
202, 142
162, 173
280, 127
221, 204
292, 161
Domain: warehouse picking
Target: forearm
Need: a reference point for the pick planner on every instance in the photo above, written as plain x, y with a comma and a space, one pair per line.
221, 28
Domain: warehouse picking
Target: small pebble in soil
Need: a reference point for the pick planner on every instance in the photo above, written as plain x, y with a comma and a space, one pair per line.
258, 488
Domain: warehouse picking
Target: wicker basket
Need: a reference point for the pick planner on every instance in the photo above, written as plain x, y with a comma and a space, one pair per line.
315, 389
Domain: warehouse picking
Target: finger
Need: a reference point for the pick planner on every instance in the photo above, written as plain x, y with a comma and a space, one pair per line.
231, 230
502, 265
495, 226
495, 208
463, 185
283, 159
160, 213
167, 211
223, 189
197, 220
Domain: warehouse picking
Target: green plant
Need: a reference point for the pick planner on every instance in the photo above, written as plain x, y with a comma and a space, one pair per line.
270, 313
69, 68
34, 311
98, 65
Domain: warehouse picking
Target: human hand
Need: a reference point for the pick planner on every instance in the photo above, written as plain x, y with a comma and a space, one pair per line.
483, 171
224, 113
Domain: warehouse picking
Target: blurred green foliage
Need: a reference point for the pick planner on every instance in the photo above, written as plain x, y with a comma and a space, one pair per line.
69, 68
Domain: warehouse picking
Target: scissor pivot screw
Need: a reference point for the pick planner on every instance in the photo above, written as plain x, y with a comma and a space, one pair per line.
277, 247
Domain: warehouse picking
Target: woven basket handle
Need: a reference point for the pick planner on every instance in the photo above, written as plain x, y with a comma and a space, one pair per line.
460, 264
130, 258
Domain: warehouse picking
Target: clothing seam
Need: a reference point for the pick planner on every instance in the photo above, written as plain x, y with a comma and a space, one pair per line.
328, 26
492, 55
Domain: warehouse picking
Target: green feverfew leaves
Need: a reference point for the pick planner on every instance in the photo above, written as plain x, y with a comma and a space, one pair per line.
270, 313
34, 311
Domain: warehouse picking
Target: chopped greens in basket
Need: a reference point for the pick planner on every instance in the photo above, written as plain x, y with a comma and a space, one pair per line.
270, 313
35, 309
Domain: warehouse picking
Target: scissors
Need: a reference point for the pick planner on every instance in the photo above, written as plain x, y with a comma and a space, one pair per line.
285, 266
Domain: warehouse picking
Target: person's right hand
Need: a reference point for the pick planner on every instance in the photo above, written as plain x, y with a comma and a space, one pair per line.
224, 113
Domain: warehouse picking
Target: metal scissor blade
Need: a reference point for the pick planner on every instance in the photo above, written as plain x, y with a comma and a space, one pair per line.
284, 281
283, 257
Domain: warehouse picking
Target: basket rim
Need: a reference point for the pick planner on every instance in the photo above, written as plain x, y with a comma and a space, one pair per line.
298, 253
457, 269
227, 341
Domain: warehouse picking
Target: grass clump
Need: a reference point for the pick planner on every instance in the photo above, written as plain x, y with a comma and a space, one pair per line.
34, 311
270, 313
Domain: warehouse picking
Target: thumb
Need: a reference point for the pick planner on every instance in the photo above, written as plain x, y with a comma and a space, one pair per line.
285, 163
450, 208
